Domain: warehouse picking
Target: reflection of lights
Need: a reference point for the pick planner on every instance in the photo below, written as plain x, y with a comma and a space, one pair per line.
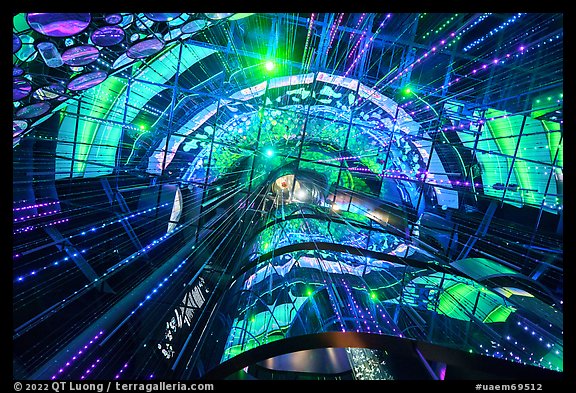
269, 152
301, 194
335, 207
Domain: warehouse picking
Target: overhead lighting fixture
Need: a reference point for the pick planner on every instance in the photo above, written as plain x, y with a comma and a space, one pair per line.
270, 65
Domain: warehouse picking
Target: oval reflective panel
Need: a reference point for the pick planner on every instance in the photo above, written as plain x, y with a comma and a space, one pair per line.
218, 15
136, 36
49, 92
17, 71
240, 15
21, 88
194, 26
145, 48
18, 126
16, 43
34, 110
162, 17
107, 36
80, 55
113, 19
86, 81
58, 25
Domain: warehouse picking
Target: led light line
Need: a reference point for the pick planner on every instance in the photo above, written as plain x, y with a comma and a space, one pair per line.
109, 272
388, 16
84, 232
483, 65
81, 352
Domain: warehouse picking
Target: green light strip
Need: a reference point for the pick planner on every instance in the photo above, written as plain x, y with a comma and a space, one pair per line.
502, 128
499, 314
554, 141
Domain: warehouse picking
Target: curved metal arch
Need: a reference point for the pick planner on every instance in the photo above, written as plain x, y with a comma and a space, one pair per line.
407, 347
351, 250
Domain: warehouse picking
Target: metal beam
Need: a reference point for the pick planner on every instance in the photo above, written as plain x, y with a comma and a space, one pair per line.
322, 50
426, 364
76, 256
115, 195
480, 232
114, 316
514, 160
394, 40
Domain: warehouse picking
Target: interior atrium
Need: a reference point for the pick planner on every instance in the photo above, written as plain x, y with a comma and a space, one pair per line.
287, 196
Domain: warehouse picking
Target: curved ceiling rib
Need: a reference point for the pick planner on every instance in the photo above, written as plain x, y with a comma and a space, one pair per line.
235, 179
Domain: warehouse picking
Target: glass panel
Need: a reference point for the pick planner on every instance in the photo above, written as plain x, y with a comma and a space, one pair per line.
107, 36
58, 25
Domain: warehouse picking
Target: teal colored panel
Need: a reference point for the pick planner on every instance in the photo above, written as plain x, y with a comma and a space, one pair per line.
111, 111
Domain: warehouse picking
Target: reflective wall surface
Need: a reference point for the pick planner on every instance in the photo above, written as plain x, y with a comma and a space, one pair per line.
310, 291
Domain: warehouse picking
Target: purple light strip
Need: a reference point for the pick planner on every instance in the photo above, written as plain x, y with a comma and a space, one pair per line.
308, 38
340, 158
117, 376
119, 220
64, 302
32, 227
388, 319
356, 45
35, 206
149, 296
431, 51
90, 369
482, 66
357, 25
94, 229
333, 31
367, 44
36, 215
332, 303
359, 310
82, 351
375, 321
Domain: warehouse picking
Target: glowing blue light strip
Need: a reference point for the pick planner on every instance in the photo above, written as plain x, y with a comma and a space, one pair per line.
494, 31
21, 277
62, 303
